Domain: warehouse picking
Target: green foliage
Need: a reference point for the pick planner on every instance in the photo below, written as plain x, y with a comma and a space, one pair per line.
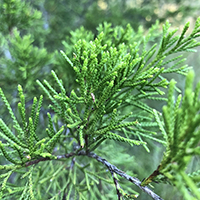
26, 63
181, 124
70, 15
104, 102
17, 13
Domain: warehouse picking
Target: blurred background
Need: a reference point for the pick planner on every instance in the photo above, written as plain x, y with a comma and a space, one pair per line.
45, 26
33, 32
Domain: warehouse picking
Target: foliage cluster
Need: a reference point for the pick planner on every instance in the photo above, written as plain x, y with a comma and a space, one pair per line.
95, 99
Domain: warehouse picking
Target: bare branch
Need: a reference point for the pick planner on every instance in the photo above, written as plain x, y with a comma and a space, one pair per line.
36, 161
112, 169
32, 162
117, 186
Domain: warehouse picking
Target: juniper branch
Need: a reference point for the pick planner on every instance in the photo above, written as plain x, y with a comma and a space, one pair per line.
111, 168
117, 186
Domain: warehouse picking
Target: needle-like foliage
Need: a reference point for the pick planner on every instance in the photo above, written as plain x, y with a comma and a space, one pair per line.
115, 75
181, 124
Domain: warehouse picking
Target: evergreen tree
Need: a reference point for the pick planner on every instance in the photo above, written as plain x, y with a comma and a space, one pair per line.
75, 139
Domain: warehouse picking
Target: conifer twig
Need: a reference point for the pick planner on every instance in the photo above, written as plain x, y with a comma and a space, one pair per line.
116, 185
33, 162
112, 169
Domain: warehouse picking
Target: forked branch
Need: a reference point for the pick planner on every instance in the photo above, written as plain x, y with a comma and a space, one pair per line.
112, 169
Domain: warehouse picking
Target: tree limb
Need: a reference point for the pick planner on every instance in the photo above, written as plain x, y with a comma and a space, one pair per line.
112, 169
